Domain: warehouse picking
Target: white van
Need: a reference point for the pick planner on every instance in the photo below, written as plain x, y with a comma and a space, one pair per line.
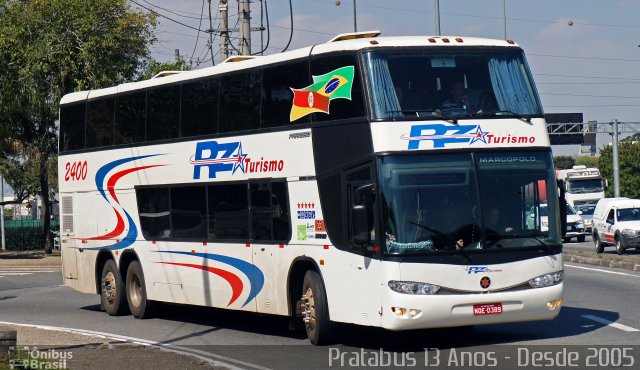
616, 221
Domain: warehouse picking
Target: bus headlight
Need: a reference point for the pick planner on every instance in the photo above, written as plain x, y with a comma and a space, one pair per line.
547, 280
411, 287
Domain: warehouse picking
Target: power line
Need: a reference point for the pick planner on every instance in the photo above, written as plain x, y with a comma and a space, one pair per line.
174, 12
198, 35
588, 83
291, 33
593, 96
591, 106
164, 16
582, 57
266, 10
583, 76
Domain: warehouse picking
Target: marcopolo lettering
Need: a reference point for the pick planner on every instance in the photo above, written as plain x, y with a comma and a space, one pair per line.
507, 159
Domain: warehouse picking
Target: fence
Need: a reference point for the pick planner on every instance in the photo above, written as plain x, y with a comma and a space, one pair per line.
25, 234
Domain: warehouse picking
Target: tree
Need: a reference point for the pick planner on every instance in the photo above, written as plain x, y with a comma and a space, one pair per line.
588, 161
629, 155
153, 67
49, 48
563, 162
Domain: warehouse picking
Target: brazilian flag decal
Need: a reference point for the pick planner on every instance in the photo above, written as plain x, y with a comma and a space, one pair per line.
318, 96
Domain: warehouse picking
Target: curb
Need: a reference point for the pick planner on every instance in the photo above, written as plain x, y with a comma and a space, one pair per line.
575, 258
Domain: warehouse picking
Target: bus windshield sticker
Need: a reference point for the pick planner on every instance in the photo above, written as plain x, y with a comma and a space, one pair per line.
317, 96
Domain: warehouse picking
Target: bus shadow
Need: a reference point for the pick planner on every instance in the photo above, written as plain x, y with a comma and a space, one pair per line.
570, 322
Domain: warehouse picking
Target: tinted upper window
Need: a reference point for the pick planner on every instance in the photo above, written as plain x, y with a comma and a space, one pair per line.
240, 101
163, 113
72, 126
131, 112
277, 96
100, 122
336, 76
199, 112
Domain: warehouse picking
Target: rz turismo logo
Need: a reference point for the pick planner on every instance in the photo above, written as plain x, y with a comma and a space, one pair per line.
219, 157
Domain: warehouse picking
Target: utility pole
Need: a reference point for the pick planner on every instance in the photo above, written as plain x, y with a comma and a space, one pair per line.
4, 247
224, 29
437, 11
355, 23
177, 53
616, 163
244, 14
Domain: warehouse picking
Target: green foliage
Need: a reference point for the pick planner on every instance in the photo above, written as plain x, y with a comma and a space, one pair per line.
21, 175
629, 159
563, 162
588, 161
153, 67
49, 48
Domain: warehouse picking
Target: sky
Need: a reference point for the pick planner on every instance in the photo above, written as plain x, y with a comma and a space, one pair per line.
584, 54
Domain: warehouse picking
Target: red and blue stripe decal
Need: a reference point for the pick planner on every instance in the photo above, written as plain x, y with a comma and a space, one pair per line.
111, 182
251, 271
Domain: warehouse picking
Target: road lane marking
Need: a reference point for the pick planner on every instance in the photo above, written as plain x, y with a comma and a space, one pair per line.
600, 270
212, 358
610, 323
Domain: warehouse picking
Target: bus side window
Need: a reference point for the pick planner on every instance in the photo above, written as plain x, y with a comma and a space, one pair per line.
199, 111
154, 210
240, 101
100, 122
228, 210
72, 126
163, 113
340, 108
277, 97
131, 114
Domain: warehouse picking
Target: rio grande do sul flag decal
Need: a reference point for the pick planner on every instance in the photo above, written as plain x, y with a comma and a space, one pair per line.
318, 96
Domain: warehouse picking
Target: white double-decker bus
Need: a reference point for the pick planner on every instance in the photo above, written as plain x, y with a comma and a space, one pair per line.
389, 182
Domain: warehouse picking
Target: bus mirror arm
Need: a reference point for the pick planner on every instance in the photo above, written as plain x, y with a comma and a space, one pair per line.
563, 207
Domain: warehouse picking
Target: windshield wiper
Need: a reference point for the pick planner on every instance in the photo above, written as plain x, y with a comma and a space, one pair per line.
434, 113
447, 236
506, 112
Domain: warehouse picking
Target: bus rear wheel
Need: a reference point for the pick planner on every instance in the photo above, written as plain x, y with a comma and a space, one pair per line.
315, 310
112, 290
140, 306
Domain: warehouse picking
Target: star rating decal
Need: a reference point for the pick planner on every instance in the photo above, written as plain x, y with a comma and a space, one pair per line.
306, 205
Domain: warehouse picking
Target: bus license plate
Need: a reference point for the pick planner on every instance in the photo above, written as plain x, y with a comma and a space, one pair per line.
487, 309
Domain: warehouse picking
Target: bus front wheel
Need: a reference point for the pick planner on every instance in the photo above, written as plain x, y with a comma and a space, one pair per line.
140, 306
112, 290
315, 309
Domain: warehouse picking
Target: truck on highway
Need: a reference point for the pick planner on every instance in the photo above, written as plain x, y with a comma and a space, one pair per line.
584, 186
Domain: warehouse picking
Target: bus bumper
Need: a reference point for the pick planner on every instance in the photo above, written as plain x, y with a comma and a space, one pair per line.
437, 311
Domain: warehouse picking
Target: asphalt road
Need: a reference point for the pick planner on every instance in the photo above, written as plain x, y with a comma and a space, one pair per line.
588, 246
600, 308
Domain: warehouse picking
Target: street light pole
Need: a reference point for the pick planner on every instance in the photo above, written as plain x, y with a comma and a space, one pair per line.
504, 15
355, 23
437, 11
616, 162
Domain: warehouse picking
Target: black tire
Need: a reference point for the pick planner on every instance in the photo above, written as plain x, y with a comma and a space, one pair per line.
581, 238
140, 306
597, 243
619, 248
315, 310
112, 290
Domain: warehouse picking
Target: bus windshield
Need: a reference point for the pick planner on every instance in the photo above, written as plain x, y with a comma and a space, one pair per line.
468, 201
585, 186
431, 84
